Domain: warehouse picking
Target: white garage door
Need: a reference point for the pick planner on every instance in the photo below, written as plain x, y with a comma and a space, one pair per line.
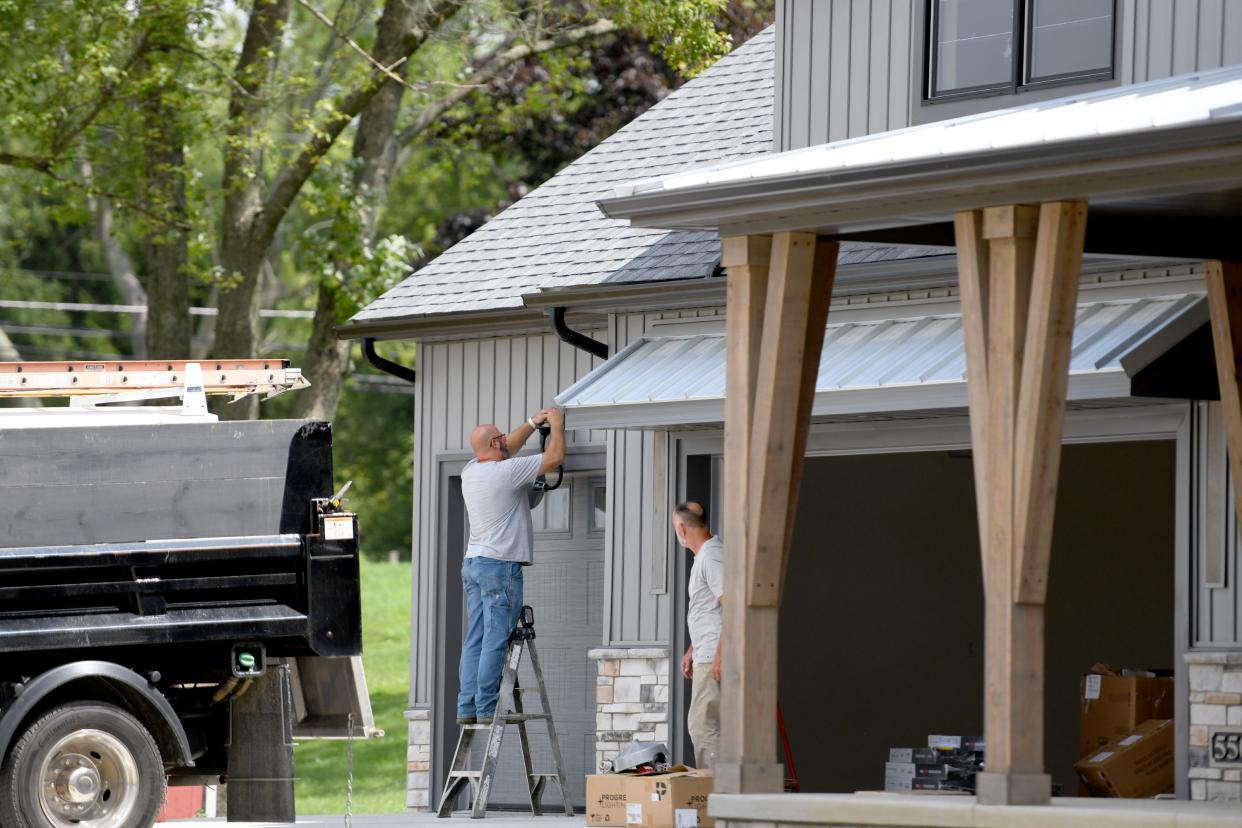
565, 588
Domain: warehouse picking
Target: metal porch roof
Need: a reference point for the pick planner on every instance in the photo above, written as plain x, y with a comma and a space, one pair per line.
884, 366
1156, 156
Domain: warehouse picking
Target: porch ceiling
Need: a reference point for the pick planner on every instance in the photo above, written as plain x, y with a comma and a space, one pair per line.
1159, 162
879, 366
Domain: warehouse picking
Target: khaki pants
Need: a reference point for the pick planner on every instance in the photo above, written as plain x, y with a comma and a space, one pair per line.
704, 721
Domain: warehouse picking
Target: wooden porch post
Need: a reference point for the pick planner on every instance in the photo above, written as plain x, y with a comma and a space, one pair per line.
1018, 268
1224, 284
778, 295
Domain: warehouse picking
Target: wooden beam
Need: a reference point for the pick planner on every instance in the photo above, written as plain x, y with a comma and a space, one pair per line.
1224, 284
824, 274
973, 281
1018, 275
1045, 374
748, 742
795, 314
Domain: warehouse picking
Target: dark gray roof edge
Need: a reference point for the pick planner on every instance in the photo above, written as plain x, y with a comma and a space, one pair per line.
466, 324
588, 301
759, 201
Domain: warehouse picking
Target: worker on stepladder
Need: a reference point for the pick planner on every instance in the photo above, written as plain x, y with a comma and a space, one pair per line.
704, 619
496, 488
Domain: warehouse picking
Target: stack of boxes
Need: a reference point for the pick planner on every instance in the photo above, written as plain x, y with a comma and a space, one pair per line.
1125, 734
948, 763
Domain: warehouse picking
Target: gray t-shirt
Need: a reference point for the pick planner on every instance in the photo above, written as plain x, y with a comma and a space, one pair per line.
497, 500
703, 615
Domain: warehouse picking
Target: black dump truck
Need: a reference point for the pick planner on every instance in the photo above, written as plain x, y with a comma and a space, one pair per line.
179, 598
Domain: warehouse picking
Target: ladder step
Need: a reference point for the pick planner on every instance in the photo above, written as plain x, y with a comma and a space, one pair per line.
513, 718
465, 774
544, 774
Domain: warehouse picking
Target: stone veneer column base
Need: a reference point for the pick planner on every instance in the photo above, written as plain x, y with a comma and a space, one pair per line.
418, 760
631, 698
1215, 701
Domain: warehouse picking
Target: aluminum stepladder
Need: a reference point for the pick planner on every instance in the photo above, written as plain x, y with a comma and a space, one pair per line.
509, 711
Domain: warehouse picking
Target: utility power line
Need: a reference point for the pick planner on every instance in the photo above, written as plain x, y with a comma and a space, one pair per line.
22, 304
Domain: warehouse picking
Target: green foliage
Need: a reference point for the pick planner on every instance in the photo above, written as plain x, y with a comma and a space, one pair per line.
684, 32
373, 444
379, 764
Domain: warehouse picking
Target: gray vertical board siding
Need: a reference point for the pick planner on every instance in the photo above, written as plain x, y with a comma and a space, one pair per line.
1215, 542
461, 384
845, 65
779, 109
633, 614
1209, 48
844, 69
1160, 31
1231, 43
808, 43
900, 47
877, 74
840, 73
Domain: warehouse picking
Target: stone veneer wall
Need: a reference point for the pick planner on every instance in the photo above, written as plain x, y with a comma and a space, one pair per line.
631, 698
418, 760
1215, 702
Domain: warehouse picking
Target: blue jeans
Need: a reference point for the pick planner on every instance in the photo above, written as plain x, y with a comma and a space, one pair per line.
493, 603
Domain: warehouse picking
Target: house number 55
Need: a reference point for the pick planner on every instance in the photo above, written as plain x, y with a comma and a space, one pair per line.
1227, 747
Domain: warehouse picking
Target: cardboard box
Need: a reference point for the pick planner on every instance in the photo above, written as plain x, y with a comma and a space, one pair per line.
918, 754
605, 799
677, 799
1113, 706
1140, 764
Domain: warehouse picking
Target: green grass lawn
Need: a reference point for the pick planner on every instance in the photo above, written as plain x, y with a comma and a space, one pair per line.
379, 764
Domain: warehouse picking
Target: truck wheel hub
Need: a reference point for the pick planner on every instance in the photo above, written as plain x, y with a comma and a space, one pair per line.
77, 781
90, 780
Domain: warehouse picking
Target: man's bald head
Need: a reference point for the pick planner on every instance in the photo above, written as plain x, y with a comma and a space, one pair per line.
690, 525
484, 442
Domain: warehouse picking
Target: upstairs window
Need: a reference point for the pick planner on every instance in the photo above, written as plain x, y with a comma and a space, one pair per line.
988, 47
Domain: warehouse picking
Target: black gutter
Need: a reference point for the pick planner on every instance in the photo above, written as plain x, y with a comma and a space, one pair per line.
581, 341
386, 365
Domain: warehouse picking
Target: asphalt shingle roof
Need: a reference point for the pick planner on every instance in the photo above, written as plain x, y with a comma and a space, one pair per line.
556, 237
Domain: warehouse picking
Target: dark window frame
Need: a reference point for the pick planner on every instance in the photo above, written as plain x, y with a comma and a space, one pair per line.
1029, 79
1021, 77
930, 93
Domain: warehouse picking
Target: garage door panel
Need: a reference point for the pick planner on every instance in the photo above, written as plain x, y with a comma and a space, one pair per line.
565, 589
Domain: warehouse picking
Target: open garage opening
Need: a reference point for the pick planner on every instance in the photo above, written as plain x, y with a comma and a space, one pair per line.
881, 639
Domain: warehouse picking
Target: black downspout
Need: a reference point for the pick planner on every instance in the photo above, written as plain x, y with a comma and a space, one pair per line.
592, 346
386, 365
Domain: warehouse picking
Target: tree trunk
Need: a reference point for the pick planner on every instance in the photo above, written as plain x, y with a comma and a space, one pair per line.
326, 364
253, 212
165, 251
120, 265
327, 359
241, 252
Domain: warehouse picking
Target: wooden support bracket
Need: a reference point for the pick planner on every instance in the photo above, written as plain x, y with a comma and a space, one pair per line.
795, 313
1224, 284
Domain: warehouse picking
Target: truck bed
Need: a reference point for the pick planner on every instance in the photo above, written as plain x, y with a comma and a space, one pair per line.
171, 535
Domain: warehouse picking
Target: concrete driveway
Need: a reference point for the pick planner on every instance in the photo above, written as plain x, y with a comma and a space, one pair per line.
496, 819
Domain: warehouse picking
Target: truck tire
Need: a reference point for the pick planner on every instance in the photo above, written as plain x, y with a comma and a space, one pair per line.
85, 765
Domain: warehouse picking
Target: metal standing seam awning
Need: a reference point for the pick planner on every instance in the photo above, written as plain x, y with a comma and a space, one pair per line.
873, 367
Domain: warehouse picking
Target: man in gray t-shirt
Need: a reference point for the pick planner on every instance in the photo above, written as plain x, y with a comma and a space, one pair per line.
704, 621
496, 489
